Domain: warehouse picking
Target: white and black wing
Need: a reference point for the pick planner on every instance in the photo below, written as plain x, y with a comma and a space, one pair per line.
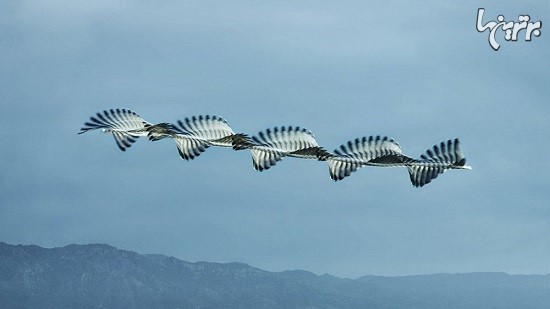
196, 134
340, 168
190, 148
209, 128
270, 146
125, 126
373, 150
193, 135
437, 160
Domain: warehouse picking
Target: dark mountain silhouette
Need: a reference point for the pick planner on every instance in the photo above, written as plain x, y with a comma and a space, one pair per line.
101, 276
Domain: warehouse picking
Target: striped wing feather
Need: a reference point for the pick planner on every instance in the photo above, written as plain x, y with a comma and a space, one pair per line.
124, 140
125, 125
372, 150
208, 128
437, 160
193, 135
285, 139
190, 148
115, 119
263, 159
340, 168
367, 149
270, 146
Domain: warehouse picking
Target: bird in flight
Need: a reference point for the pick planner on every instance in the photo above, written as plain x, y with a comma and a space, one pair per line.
125, 126
386, 152
193, 135
273, 144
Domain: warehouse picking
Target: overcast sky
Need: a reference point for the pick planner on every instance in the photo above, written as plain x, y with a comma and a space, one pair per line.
419, 73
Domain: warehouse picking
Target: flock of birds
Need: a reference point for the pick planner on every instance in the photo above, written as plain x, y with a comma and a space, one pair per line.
195, 134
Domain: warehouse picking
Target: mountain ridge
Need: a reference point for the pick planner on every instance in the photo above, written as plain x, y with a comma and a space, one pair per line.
103, 276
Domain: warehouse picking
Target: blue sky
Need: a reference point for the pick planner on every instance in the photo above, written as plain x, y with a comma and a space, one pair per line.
419, 73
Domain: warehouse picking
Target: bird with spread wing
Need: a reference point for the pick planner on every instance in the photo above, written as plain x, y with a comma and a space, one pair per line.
193, 135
